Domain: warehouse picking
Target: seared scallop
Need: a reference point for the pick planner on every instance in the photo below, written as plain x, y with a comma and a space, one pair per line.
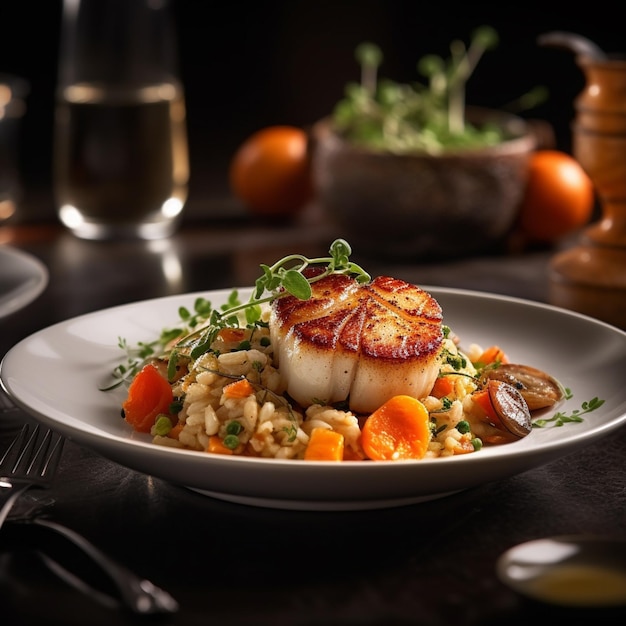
362, 343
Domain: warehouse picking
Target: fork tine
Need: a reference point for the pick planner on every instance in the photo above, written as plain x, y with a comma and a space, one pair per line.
12, 453
49, 468
30, 461
32, 456
45, 458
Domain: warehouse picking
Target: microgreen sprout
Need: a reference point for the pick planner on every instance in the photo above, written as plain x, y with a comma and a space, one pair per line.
561, 418
408, 118
198, 329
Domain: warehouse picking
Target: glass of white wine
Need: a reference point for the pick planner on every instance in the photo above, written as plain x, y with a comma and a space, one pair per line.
121, 164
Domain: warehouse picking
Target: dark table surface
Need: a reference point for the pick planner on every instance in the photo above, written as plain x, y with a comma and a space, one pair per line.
431, 563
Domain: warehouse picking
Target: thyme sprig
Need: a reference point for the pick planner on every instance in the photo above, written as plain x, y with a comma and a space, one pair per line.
561, 418
197, 329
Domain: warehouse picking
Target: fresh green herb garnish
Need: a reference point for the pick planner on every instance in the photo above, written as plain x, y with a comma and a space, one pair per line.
140, 354
456, 361
292, 432
561, 418
176, 406
198, 328
409, 118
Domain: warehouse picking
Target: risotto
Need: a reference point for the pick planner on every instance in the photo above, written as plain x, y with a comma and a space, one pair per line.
371, 346
263, 422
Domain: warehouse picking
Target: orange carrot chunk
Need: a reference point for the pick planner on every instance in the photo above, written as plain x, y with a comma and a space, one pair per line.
239, 389
443, 386
175, 431
482, 399
149, 395
216, 446
324, 445
399, 429
232, 334
350, 454
493, 354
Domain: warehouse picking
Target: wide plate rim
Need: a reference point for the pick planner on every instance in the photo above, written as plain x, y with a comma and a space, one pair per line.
147, 455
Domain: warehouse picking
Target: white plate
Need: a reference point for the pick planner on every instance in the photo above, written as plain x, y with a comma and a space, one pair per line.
56, 373
22, 279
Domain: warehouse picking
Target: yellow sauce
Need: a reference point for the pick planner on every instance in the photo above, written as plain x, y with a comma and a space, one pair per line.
580, 585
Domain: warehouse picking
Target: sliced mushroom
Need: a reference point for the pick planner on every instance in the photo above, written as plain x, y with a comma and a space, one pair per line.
510, 407
540, 390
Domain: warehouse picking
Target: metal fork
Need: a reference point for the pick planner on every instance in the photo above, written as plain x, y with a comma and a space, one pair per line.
31, 461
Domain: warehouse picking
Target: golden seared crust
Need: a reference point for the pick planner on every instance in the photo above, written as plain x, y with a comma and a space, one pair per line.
405, 299
330, 295
390, 336
387, 319
403, 322
324, 332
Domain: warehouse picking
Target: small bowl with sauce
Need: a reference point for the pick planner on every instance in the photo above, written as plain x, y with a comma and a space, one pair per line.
570, 571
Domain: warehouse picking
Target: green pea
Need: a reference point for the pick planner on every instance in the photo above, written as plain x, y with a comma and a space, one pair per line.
233, 428
477, 443
231, 441
463, 427
162, 425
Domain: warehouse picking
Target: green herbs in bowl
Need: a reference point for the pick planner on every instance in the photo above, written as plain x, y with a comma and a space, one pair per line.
419, 117
409, 171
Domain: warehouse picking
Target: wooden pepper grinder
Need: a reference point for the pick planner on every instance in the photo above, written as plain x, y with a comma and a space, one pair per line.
591, 277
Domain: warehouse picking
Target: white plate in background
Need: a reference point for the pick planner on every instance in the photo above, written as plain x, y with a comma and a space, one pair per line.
22, 279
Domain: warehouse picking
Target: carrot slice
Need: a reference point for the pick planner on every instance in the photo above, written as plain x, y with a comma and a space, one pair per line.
324, 445
216, 446
175, 431
149, 395
232, 334
350, 454
239, 389
482, 399
443, 386
493, 354
399, 429
497, 440
464, 447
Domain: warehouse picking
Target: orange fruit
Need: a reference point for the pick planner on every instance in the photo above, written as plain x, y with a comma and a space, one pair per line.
270, 172
559, 197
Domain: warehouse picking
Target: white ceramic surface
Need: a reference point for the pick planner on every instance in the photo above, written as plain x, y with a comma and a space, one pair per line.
22, 279
55, 374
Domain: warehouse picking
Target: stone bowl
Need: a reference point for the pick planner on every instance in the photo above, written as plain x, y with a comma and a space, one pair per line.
422, 206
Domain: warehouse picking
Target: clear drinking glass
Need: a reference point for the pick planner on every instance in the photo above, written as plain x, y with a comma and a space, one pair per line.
120, 142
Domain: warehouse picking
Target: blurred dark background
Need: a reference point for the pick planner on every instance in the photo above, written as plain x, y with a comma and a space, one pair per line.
246, 65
